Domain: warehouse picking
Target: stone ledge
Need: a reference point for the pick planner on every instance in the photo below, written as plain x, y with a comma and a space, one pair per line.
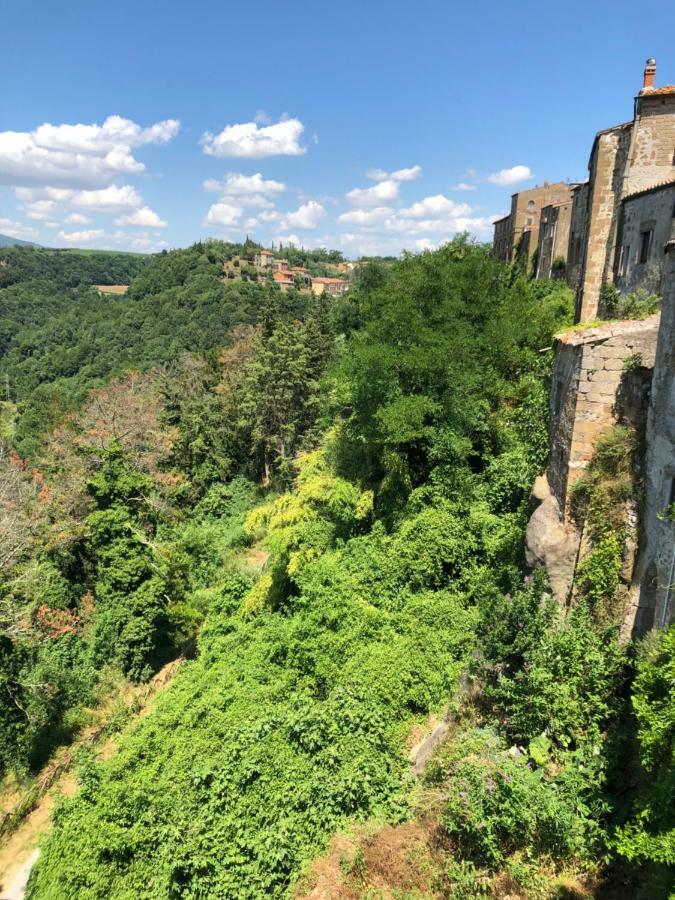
612, 328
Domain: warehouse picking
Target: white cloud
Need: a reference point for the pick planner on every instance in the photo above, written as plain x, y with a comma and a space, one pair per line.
463, 186
270, 216
308, 215
425, 244
77, 219
400, 175
236, 185
306, 242
506, 177
145, 216
384, 192
39, 210
147, 244
17, 229
115, 132
77, 156
80, 237
110, 199
255, 141
366, 216
251, 224
241, 192
224, 214
287, 239
114, 198
425, 224
437, 205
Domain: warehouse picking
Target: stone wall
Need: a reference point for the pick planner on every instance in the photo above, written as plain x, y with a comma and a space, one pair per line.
654, 596
653, 141
577, 235
501, 242
645, 212
554, 233
607, 170
519, 231
587, 376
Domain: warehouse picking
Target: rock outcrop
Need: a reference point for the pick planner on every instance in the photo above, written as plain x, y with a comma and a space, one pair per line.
548, 543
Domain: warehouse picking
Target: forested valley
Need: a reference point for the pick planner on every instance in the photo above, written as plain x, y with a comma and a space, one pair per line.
319, 504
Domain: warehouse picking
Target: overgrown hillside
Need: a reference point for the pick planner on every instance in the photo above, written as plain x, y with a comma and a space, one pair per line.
59, 337
335, 500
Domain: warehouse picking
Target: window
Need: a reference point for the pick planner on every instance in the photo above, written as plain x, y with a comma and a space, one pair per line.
528, 220
530, 205
645, 246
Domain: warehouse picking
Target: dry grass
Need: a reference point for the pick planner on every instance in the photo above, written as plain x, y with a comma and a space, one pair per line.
391, 862
112, 288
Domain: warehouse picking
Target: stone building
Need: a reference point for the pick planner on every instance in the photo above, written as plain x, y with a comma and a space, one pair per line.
554, 233
263, 259
654, 599
517, 235
646, 225
625, 159
622, 232
577, 234
284, 278
501, 243
332, 286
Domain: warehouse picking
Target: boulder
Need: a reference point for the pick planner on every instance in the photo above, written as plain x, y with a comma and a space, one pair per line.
548, 543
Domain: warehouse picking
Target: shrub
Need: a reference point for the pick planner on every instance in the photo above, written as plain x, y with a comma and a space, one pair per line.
649, 835
496, 803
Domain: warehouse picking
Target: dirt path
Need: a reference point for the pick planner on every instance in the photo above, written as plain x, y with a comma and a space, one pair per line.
17, 888
19, 850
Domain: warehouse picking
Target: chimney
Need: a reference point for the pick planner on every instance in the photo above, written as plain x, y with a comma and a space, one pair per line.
650, 72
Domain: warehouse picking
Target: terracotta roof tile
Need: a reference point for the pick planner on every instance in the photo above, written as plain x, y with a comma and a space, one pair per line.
656, 92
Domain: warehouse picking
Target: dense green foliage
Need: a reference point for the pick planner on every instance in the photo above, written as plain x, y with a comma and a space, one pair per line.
393, 436
397, 532
59, 337
68, 268
649, 835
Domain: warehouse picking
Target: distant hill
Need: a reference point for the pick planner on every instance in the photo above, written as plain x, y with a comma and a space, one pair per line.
7, 241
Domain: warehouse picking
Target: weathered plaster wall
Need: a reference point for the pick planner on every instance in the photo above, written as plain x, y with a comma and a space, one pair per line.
654, 597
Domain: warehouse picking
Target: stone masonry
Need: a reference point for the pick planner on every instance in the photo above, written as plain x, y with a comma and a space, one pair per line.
646, 225
591, 390
588, 371
635, 156
654, 594
517, 235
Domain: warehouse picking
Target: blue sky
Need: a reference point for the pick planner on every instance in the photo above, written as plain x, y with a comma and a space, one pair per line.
370, 127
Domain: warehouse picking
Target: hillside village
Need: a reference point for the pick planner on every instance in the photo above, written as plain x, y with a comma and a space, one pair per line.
612, 238
260, 264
